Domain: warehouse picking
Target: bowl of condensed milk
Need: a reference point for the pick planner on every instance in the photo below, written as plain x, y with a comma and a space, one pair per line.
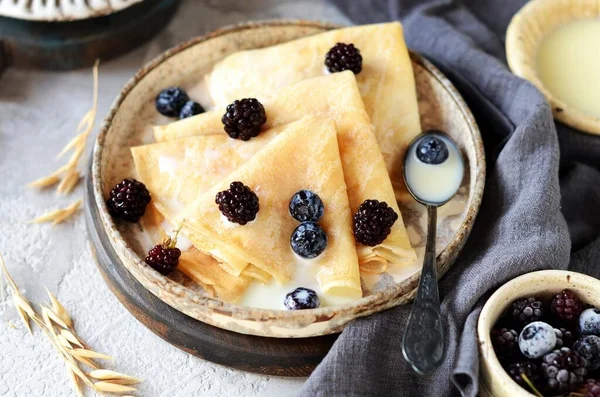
554, 45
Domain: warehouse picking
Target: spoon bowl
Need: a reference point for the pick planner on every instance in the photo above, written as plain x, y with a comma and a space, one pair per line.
433, 172
433, 184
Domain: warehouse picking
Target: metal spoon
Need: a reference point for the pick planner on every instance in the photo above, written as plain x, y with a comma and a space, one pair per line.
423, 345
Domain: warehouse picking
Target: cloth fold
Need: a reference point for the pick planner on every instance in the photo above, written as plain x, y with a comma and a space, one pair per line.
520, 227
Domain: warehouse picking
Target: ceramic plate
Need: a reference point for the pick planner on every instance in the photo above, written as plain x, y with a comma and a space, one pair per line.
130, 122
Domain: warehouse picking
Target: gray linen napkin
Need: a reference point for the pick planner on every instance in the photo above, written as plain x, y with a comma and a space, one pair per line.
520, 227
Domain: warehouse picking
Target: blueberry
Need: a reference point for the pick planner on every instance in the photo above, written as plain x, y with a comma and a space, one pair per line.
537, 339
308, 240
306, 206
588, 347
190, 109
301, 298
170, 101
589, 322
432, 150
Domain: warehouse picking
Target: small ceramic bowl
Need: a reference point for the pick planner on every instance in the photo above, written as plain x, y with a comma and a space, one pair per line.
495, 382
523, 37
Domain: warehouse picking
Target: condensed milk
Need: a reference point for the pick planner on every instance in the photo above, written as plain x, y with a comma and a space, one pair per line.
568, 64
434, 183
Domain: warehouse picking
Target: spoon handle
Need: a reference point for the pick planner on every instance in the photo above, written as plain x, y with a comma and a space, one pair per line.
423, 344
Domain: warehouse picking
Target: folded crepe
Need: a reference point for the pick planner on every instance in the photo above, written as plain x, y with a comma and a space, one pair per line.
205, 270
199, 267
386, 81
307, 157
176, 172
333, 95
337, 97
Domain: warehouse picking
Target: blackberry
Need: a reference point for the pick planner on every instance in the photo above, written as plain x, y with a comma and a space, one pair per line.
432, 150
243, 118
170, 101
343, 57
591, 388
563, 370
301, 298
308, 240
588, 347
566, 306
505, 342
128, 200
537, 339
239, 204
190, 109
164, 257
564, 338
527, 310
306, 206
589, 322
527, 368
373, 222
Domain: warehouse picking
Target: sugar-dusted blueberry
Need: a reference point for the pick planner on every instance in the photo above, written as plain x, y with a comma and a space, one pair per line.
190, 109
432, 149
537, 339
170, 101
306, 206
588, 347
308, 240
301, 298
589, 322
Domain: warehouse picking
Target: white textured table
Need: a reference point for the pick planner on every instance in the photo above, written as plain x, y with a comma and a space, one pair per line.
38, 115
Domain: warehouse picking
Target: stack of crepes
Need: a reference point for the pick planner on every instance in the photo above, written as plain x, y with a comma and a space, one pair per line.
339, 135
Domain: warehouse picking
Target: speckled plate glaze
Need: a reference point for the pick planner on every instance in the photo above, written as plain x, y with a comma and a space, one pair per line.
129, 123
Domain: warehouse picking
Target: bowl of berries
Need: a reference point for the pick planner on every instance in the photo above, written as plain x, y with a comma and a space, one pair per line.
539, 335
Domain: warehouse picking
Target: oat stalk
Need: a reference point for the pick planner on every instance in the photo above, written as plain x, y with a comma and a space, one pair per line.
110, 387
67, 177
531, 385
60, 215
104, 374
56, 323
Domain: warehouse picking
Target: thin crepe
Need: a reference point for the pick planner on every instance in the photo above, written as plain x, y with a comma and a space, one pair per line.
386, 81
178, 171
205, 270
202, 268
337, 97
306, 157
